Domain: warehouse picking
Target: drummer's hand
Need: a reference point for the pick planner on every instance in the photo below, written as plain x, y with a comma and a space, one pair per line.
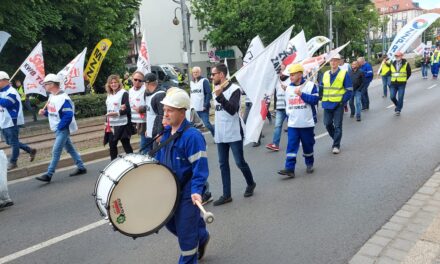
196, 197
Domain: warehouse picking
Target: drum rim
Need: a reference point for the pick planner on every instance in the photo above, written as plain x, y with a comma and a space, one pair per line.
155, 230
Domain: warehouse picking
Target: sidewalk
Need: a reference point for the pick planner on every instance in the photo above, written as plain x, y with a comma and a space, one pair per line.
412, 235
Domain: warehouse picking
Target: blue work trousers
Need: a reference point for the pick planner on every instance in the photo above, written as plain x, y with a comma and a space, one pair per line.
305, 136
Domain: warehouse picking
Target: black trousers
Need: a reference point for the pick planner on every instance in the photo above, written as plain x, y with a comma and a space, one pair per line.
114, 147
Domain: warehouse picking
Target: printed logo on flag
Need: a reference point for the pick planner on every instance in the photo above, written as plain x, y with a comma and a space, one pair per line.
420, 23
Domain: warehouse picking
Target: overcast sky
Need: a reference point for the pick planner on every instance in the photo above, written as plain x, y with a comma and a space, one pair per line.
429, 4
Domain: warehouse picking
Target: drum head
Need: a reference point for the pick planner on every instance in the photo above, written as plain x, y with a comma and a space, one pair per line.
143, 200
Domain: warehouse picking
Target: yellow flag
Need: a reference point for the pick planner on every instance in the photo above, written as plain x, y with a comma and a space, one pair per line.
96, 59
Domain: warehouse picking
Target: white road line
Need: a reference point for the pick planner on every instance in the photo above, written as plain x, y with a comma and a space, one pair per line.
321, 135
390, 106
432, 86
52, 241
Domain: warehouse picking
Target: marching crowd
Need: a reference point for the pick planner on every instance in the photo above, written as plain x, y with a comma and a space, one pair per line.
156, 115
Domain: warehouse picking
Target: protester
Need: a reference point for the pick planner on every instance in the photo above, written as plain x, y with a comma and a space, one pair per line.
11, 118
136, 95
60, 111
385, 72
280, 105
118, 116
25, 102
5, 199
201, 96
400, 72
357, 78
425, 62
229, 132
368, 77
153, 109
301, 97
435, 63
186, 156
337, 90
127, 82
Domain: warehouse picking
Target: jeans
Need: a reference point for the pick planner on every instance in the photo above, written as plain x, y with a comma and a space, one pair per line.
11, 137
333, 123
279, 120
355, 103
400, 89
27, 104
386, 80
435, 69
365, 98
425, 68
223, 156
62, 140
143, 144
204, 115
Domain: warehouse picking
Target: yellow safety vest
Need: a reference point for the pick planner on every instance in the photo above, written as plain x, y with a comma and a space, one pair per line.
385, 69
20, 91
126, 86
435, 59
399, 76
333, 92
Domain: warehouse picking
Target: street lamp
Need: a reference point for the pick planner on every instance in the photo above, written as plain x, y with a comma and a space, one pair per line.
185, 25
175, 19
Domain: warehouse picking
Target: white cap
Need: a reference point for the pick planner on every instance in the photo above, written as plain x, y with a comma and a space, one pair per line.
51, 78
4, 75
176, 98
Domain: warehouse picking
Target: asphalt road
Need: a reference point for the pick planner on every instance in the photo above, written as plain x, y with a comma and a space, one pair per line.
320, 218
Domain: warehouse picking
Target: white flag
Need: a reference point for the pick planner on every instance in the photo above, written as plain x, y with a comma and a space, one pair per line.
254, 49
258, 78
315, 44
420, 49
4, 36
228, 76
334, 52
72, 75
143, 63
410, 32
297, 48
33, 68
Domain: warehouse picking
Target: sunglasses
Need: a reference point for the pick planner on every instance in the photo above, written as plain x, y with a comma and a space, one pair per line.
138, 80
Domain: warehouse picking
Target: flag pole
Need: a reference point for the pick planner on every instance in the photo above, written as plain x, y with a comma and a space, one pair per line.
15, 73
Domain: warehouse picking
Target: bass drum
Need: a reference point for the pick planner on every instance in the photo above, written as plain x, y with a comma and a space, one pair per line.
137, 194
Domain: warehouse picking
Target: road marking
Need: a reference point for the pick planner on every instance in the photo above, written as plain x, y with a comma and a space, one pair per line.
432, 86
52, 241
321, 136
390, 106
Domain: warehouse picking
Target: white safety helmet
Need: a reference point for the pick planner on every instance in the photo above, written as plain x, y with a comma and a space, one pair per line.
176, 98
51, 78
4, 75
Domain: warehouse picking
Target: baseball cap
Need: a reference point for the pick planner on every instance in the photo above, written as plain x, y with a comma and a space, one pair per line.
4, 75
150, 77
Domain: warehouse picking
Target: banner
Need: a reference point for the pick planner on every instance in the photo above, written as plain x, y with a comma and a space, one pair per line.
420, 49
143, 62
33, 68
258, 78
254, 49
96, 59
4, 36
72, 75
297, 47
410, 32
315, 44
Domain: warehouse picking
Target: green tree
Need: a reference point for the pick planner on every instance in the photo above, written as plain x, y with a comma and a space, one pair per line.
65, 28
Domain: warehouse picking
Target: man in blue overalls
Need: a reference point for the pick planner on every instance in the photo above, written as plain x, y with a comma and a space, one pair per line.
186, 156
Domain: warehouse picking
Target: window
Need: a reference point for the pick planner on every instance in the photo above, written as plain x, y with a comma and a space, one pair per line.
203, 45
191, 46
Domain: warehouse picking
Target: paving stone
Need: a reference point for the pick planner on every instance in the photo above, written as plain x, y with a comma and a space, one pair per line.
431, 208
432, 183
399, 220
434, 202
393, 226
387, 233
402, 244
381, 241
411, 208
428, 216
395, 254
386, 260
417, 228
421, 197
403, 213
436, 196
370, 249
433, 232
422, 252
427, 190
418, 203
359, 259
410, 236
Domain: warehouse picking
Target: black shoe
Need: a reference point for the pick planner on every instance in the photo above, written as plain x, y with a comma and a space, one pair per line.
202, 248
6, 204
289, 173
358, 118
206, 198
249, 190
256, 144
78, 172
222, 200
32, 154
44, 178
309, 169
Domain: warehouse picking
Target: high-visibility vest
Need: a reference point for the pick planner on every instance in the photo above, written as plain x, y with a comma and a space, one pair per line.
20, 91
333, 92
399, 76
126, 85
385, 69
435, 59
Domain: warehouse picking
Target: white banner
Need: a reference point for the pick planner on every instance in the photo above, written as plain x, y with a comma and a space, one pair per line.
297, 47
143, 63
33, 68
73, 75
254, 49
420, 49
410, 32
257, 78
315, 44
4, 36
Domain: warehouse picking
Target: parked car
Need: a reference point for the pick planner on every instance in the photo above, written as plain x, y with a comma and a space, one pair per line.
166, 75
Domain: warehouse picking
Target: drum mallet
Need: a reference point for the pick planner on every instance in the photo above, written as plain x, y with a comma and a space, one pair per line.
208, 217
